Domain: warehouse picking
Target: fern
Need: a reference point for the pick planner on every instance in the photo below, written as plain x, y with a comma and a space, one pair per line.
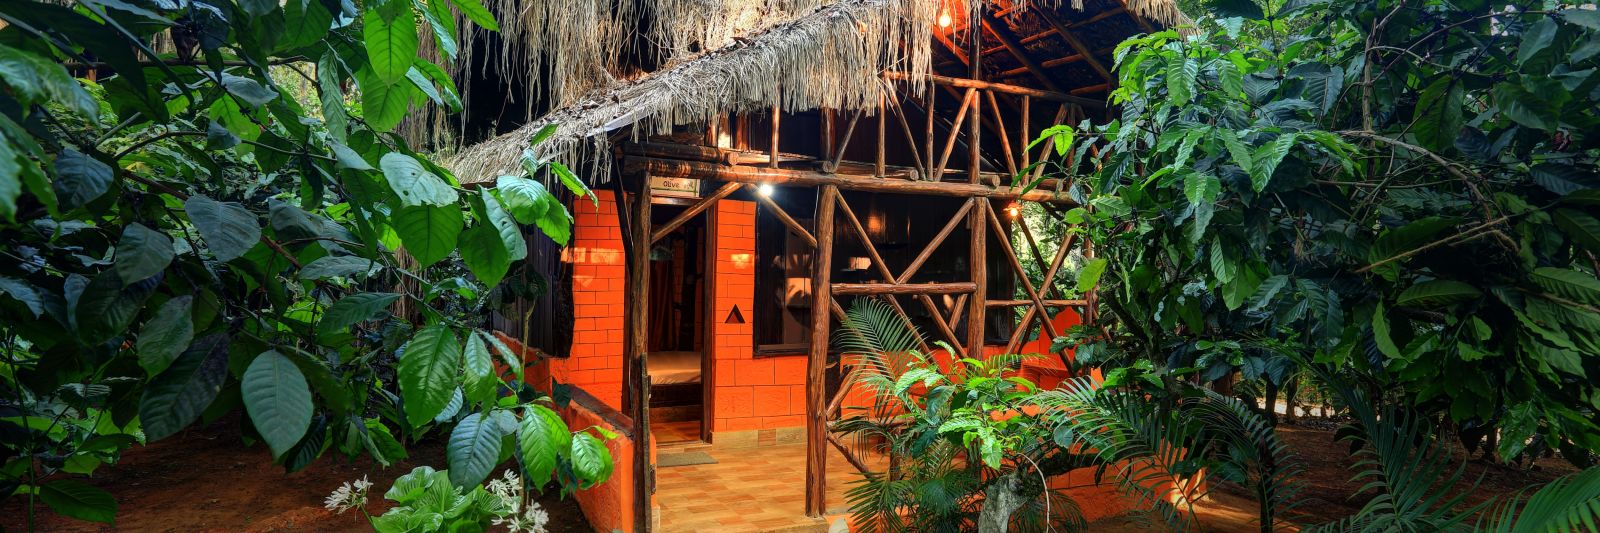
1570, 503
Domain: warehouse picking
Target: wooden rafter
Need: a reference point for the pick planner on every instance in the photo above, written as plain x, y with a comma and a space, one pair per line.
1076, 44
860, 289
742, 174
1003, 33
933, 245
877, 260
967, 102
964, 83
693, 211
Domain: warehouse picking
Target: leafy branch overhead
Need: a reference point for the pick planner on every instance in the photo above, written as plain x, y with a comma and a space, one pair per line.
224, 221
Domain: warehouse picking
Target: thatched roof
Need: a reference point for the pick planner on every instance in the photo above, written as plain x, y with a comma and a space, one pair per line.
831, 56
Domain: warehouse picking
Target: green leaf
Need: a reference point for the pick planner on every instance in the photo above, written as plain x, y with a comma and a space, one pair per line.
541, 437
591, 461
1536, 38
1396, 241
413, 183
76, 499
1437, 117
311, 22
23, 292
1089, 276
1380, 333
228, 228
1587, 18
505, 226
278, 400
1266, 292
475, 12
165, 336
38, 80
1438, 293
80, 179
1201, 187
1181, 74
428, 373
526, 199
429, 232
383, 103
478, 367
1580, 227
175, 398
1236, 149
1562, 179
1235, 8
1267, 159
345, 266
353, 309
485, 254
108, 305
473, 450
391, 42
142, 252
1569, 284
250, 91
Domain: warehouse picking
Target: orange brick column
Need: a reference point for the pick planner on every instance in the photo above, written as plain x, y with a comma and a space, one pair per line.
750, 393
598, 276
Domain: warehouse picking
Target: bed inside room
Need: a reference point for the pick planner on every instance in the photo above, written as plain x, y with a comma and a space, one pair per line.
677, 327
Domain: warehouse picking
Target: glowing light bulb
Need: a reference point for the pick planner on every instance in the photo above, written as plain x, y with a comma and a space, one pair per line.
1014, 211
944, 18
764, 189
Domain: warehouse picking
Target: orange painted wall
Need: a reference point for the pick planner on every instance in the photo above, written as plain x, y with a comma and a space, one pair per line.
750, 393
598, 275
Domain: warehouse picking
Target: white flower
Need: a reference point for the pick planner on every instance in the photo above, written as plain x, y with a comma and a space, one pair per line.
533, 520
348, 496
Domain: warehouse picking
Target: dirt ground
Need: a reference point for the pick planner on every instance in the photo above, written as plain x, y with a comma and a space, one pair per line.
1328, 493
205, 479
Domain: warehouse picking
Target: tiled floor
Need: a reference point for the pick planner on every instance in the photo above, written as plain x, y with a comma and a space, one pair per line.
749, 489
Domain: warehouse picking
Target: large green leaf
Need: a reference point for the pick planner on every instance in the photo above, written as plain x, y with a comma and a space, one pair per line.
1438, 293
413, 183
391, 40
485, 253
526, 199
1569, 284
1089, 276
478, 364
228, 228
1536, 38
473, 450
541, 438
278, 400
70, 497
591, 461
108, 305
353, 309
429, 372
142, 252
383, 103
312, 22
347, 266
475, 12
429, 232
1580, 227
1181, 74
1267, 159
1394, 242
1437, 117
38, 80
175, 398
80, 179
505, 225
166, 335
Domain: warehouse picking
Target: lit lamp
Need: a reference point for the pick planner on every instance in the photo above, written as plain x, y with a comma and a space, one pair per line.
1014, 210
764, 189
944, 18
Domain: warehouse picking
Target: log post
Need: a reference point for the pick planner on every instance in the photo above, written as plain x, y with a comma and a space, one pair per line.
635, 334
977, 305
817, 362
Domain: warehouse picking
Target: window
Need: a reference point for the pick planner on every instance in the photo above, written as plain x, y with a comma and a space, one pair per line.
899, 227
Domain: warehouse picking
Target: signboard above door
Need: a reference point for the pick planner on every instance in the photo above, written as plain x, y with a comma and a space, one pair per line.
675, 187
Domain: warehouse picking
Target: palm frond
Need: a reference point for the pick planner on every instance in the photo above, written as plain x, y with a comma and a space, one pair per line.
1253, 452
1569, 503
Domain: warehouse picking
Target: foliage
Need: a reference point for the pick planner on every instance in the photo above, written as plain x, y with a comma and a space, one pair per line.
953, 435
183, 238
426, 501
1404, 191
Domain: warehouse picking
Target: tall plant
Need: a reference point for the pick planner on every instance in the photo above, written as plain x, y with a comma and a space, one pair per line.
1403, 190
184, 238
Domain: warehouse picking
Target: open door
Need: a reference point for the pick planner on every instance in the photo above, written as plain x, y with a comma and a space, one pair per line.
677, 330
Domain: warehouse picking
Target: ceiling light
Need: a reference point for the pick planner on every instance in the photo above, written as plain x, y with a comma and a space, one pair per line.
764, 189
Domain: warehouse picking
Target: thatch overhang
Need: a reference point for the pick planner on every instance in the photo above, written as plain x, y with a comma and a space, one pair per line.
835, 56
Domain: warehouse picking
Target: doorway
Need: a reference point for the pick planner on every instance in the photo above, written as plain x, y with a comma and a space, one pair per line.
677, 329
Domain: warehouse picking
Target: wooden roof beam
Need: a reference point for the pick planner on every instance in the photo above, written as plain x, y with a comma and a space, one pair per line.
1003, 34
1047, 32
1072, 40
742, 174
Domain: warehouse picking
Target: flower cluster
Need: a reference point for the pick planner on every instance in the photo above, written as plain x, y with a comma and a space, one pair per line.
351, 495
509, 489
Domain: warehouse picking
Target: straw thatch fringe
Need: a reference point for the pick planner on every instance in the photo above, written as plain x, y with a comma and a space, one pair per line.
832, 57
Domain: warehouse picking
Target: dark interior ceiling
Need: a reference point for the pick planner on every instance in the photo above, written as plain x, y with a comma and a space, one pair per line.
1062, 49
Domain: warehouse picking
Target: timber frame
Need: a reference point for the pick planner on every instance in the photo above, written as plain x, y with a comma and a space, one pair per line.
985, 195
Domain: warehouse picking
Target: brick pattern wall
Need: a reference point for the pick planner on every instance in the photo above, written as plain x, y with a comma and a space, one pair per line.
598, 275
750, 393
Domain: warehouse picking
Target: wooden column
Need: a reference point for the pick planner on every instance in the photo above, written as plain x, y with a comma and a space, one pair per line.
635, 333
977, 305
816, 363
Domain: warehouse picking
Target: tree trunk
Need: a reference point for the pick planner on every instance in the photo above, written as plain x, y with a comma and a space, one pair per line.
1290, 393
1271, 402
999, 501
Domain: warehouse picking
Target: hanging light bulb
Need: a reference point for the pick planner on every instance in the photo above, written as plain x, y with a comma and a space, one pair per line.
944, 17
1014, 210
764, 189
